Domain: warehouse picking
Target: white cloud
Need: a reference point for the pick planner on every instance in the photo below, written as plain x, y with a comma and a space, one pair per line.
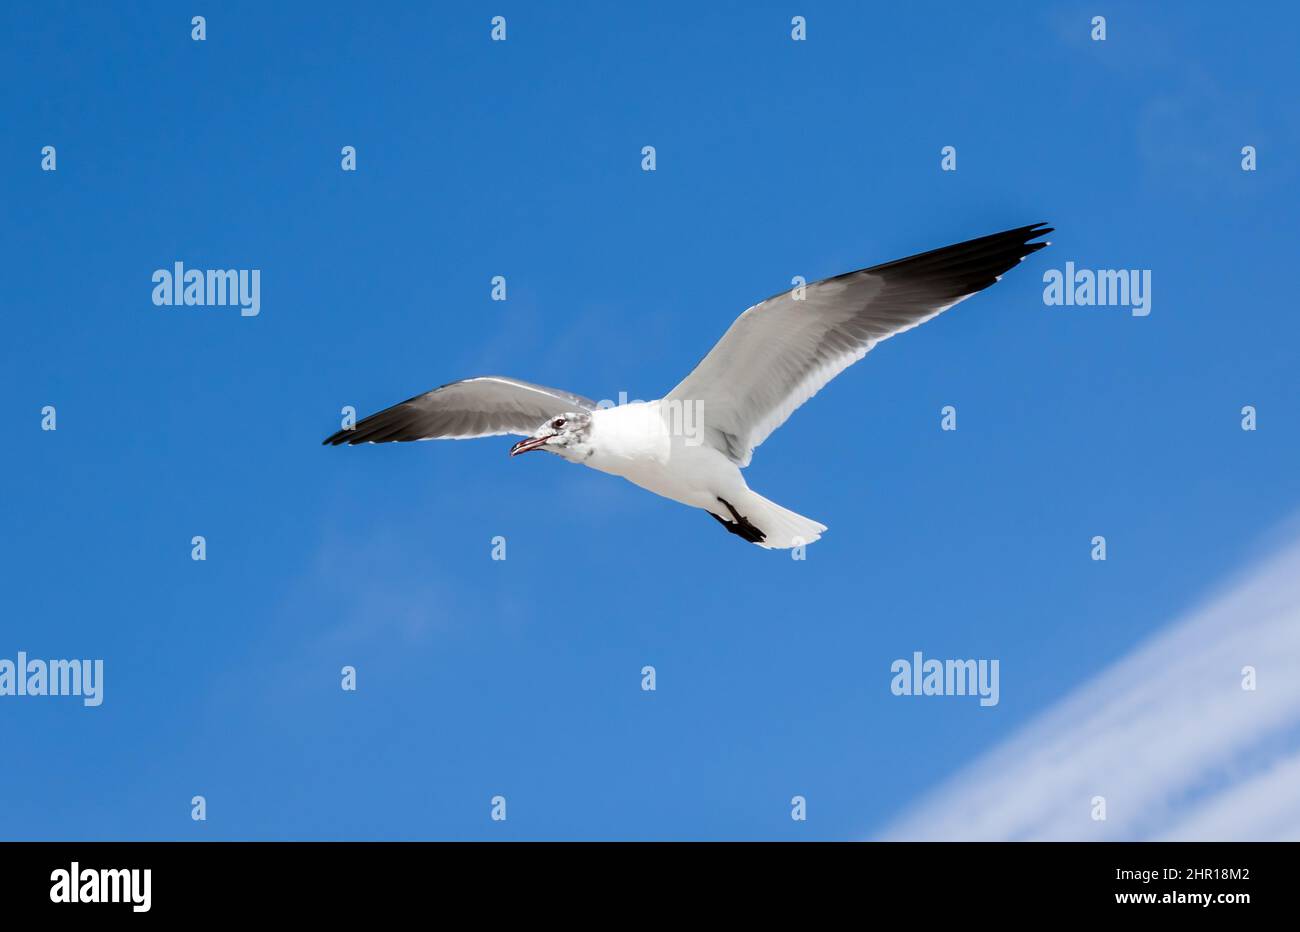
1167, 735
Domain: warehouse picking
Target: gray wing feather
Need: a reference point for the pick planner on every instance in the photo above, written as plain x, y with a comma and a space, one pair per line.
782, 351
480, 407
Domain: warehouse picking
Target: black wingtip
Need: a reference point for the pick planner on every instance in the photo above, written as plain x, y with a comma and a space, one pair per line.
1024, 234
962, 269
1038, 229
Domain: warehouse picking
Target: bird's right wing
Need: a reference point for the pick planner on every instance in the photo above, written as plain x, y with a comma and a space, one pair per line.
480, 407
780, 352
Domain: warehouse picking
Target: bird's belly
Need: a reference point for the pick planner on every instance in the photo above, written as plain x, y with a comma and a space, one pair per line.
694, 476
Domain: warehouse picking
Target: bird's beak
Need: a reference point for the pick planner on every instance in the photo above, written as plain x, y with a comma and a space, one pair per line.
529, 443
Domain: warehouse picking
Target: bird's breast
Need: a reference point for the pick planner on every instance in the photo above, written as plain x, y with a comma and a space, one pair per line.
639, 444
629, 437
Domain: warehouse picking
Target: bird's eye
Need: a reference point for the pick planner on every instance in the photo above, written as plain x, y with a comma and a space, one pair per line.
557, 423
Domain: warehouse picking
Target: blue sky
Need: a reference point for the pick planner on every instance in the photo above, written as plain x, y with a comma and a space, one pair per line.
478, 158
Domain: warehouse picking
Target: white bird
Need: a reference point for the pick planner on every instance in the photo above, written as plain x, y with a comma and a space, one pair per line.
691, 445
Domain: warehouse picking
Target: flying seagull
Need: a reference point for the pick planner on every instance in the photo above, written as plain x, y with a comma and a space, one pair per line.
691, 445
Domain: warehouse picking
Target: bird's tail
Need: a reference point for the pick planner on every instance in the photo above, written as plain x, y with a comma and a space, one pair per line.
782, 528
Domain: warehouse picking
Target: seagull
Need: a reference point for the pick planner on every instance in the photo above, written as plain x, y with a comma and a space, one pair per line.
691, 445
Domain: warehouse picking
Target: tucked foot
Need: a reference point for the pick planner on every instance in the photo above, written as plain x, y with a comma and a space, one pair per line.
740, 526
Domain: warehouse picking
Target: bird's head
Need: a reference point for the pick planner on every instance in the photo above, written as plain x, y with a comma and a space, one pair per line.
567, 435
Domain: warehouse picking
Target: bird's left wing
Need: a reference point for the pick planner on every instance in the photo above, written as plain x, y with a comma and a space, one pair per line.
480, 407
780, 353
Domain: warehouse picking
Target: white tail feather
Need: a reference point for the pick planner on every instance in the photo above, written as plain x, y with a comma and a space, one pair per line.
784, 528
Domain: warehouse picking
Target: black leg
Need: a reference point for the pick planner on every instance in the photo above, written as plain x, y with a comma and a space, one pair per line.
741, 526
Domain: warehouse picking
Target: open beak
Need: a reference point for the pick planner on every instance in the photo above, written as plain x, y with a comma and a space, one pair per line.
529, 443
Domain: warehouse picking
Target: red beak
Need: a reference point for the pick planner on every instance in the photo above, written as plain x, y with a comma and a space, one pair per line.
528, 443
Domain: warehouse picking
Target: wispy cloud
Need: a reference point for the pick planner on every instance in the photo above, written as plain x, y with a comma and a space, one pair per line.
1167, 736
